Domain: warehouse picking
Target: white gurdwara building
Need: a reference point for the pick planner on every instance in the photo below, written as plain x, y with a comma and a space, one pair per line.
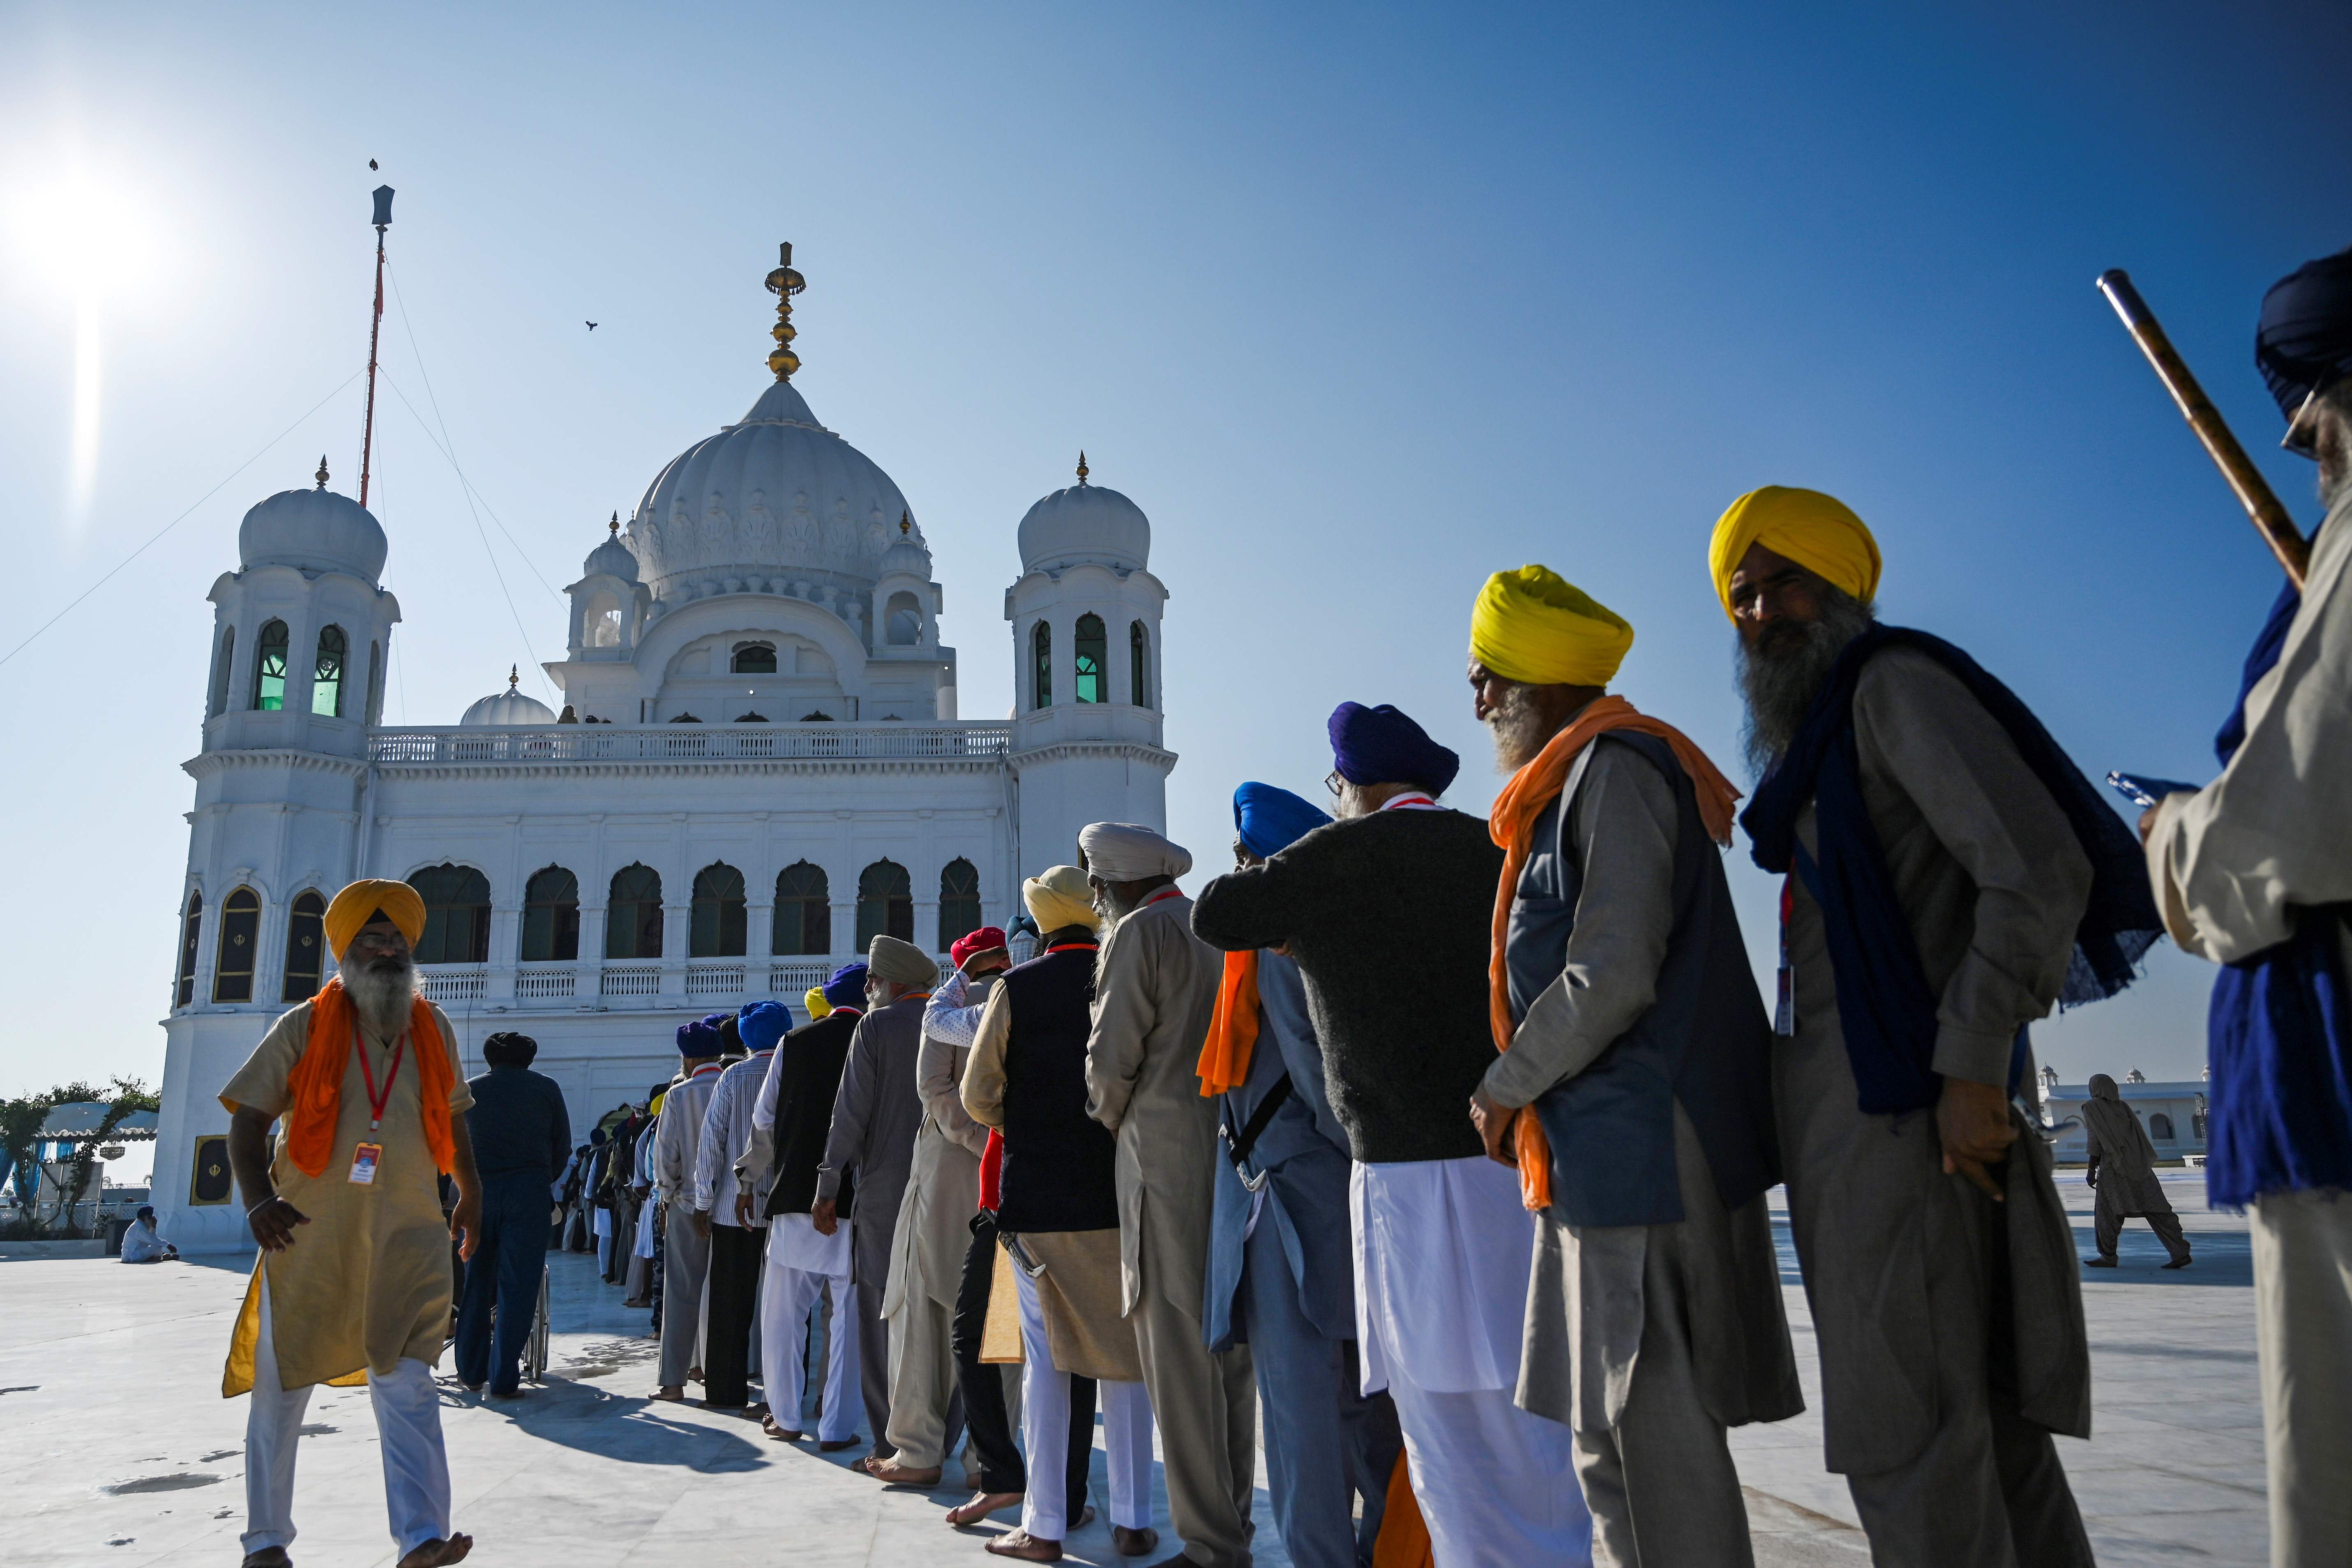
757, 766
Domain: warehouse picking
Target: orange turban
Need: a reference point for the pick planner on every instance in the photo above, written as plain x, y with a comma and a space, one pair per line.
1819, 532
356, 903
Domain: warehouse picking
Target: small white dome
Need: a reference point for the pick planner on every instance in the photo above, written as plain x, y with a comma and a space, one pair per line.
611, 558
506, 710
313, 530
1084, 523
908, 552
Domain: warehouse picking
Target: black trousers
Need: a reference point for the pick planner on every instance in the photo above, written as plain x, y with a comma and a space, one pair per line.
509, 1257
982, 1385
730, 1293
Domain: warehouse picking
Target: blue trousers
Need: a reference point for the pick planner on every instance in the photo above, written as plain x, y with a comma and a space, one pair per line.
507, 1267
1324, 1442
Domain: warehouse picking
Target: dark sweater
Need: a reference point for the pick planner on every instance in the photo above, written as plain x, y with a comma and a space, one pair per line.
809, 1062
1390, 917
518, 1124
1060, 1164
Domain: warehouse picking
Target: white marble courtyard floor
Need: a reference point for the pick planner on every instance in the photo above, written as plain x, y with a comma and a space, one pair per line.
116, 1448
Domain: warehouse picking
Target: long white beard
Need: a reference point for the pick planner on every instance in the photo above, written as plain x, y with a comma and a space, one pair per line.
384, 992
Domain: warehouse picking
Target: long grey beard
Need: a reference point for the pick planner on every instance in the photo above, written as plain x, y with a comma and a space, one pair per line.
1113, 909
1781, 677
382, 992
1516, 728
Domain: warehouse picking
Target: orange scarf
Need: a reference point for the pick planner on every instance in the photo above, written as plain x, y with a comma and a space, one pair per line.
1512, 821
1233, 1029
317, 1084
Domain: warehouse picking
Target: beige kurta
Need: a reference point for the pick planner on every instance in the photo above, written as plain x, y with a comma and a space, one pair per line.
366, 1283
934, 1231
1156, 989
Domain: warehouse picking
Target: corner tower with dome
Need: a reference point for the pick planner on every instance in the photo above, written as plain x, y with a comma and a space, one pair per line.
756, 764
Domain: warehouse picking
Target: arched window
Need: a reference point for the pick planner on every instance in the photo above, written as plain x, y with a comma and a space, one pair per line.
270, 667
754, 658
306, 949
1138, 664
224, 673
885, 903
803, 911
240, 938
902, 620
601, 624
190, 925
457, 914
551, 917
632, 914
2159, 1126
1041, 667
327, 680
1092, 646
959, 902
717, 927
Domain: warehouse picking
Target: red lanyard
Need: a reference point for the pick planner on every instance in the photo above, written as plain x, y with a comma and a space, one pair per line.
1163, 893
376, 1102
1074, 947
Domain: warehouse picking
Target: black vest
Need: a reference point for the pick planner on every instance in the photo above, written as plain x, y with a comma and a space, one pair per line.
1060, 1163
1706, 1040
809, 1062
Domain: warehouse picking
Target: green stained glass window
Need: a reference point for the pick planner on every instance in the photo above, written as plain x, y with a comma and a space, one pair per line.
1092, 646
269, 669
326, 678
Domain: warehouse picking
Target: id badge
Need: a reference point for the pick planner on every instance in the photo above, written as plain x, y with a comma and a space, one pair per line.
364, 1159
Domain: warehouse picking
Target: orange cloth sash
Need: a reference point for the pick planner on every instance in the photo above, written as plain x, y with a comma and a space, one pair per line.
1403, 1541
1233, 1029
1512, 823
317, 1084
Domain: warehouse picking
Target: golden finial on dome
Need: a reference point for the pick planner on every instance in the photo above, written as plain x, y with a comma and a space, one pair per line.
783, 283
514, 675
1082, 466
905, 523
615, 526
321, 475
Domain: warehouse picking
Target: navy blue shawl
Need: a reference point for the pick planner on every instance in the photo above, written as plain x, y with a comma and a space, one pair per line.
2279, 1030
1886, 1009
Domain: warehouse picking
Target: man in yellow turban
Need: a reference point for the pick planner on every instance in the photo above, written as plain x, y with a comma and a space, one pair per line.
353, 1278
1950, 875
1632, 1088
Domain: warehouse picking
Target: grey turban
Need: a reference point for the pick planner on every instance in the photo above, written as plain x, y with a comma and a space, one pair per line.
1130, 852
901, 962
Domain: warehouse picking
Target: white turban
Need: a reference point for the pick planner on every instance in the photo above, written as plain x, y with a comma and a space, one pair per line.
1130, 852
901, 962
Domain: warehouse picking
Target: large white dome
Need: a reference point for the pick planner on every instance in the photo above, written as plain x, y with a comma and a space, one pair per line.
773, 495
313, 530
1084, 523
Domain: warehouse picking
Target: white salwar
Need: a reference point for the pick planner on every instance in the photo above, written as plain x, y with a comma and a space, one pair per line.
798, 1267
408, 1429
1046, 1434
1442, 1250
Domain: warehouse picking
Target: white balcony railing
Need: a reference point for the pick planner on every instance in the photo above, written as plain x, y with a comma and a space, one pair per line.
635, 981
714, 980
544, 982
451, 983
551, 745
791, 980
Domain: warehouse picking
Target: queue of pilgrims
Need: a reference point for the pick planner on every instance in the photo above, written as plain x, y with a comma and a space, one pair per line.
1441, 1145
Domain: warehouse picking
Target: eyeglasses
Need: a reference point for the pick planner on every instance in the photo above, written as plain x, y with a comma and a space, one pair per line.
1334, 782
2302, 436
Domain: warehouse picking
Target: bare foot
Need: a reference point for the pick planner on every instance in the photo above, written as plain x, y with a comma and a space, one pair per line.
1024, 1546
982, 1505
439, 1554
674, 1394
891, 1473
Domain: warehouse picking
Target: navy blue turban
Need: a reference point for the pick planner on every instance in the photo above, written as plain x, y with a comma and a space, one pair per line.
762, 1024
1381, 745
2304, 341
1271, 820
846, 988
699, 1038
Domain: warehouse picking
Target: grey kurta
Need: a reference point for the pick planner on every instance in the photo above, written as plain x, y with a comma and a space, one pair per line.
1902, 1262
934, 1229
1586, 1298
876, 1115
2115, 1138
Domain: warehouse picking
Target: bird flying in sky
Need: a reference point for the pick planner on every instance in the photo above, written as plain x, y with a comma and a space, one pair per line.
371, 162
592, 326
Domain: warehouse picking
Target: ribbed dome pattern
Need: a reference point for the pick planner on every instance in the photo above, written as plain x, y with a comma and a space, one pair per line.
312, 530
1084, 523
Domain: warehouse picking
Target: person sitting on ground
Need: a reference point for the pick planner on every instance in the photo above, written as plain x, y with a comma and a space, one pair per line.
142, 1244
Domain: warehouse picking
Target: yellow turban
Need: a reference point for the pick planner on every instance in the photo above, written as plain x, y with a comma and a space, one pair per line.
817, 1005
358, 901
1059, 896
1819, 532
1535, 625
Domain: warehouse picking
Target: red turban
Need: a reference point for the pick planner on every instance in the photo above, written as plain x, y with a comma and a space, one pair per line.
987, 939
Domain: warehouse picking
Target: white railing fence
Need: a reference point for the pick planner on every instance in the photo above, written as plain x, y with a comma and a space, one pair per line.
556, 744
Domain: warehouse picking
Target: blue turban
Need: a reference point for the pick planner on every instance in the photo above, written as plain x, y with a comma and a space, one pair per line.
1381, 745
1271, 820
762, 1024
846, 988
699, 1038
2304, 341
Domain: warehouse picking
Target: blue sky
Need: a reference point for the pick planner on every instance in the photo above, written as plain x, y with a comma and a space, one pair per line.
1360, 304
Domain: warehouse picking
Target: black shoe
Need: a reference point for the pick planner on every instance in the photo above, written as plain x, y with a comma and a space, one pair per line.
2178, 1263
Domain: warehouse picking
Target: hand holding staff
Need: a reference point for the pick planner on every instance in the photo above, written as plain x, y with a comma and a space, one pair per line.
2270, 519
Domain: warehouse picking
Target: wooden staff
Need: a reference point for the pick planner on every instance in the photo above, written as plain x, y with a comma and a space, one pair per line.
2262, 507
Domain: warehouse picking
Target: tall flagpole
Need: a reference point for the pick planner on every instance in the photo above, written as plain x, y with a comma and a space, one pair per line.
375, 324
